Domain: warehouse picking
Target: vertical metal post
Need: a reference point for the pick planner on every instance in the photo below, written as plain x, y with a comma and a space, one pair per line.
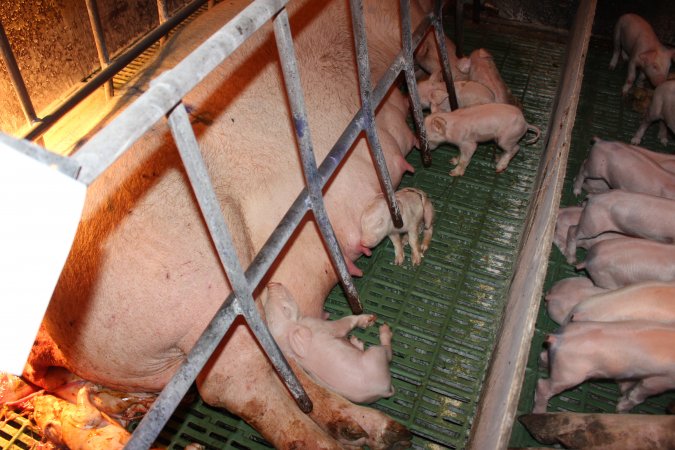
99, 40
16, 78
163, 13
368, 123
411, 81
443, 54
289, 67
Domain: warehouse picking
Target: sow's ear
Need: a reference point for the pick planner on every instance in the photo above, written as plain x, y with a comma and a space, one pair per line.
299, 338
438, 125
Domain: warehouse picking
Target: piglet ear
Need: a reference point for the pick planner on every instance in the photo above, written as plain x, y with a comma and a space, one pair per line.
299, 339
438, 125
646, 57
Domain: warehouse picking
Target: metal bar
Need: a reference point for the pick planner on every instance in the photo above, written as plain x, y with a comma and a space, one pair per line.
168, 89
163, 407
443, 54
99, 40
501, 390
63, 164
16, 78
163, 14
363, 64
289, 67
411, 81
104, 75
179, 384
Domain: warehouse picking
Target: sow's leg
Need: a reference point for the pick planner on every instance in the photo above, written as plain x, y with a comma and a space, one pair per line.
261, 399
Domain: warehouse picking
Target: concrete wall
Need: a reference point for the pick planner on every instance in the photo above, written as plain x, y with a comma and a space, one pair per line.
54, 47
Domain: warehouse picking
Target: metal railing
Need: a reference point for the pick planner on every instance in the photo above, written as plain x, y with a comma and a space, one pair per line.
164, 98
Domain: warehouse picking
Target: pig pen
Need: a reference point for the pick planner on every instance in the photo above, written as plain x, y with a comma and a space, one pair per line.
454, 316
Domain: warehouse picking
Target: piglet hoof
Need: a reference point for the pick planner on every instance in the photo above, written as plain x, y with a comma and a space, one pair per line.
416, 260
456, 172
636, 141
398, 260
454, 161
663, 141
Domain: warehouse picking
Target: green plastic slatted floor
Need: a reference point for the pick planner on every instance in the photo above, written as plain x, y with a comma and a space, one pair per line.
444, 313
602, 113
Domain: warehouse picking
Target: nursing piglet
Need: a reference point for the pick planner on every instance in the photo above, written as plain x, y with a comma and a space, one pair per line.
417, 213
650, 300
638, 354
480, 66
635, 39
566, 294
661, 108
629, 213
466, 127
612, 165
321, 348
620, 262
434, 95
568, 217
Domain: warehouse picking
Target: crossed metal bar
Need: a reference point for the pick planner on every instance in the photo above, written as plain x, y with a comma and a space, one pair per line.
164, 97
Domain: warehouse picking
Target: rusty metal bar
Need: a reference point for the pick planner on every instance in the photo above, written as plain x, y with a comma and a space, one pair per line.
16, 78
361, 44
411, 81
284, 40
443, 54
115, 66
99, 40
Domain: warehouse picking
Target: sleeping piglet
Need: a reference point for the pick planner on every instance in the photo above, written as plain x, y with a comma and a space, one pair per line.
636, 41
321, 347
480, 66
466, 127
417, 213
434, 95
662, 108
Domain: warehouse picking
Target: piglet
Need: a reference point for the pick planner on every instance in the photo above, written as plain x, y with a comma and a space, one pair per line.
638, 354
566, 294
619, 166
480, 66
322, 348
649, 300
629, 213
417, 213
434, 95
662, 108
635, 39
620, 262
466, 127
